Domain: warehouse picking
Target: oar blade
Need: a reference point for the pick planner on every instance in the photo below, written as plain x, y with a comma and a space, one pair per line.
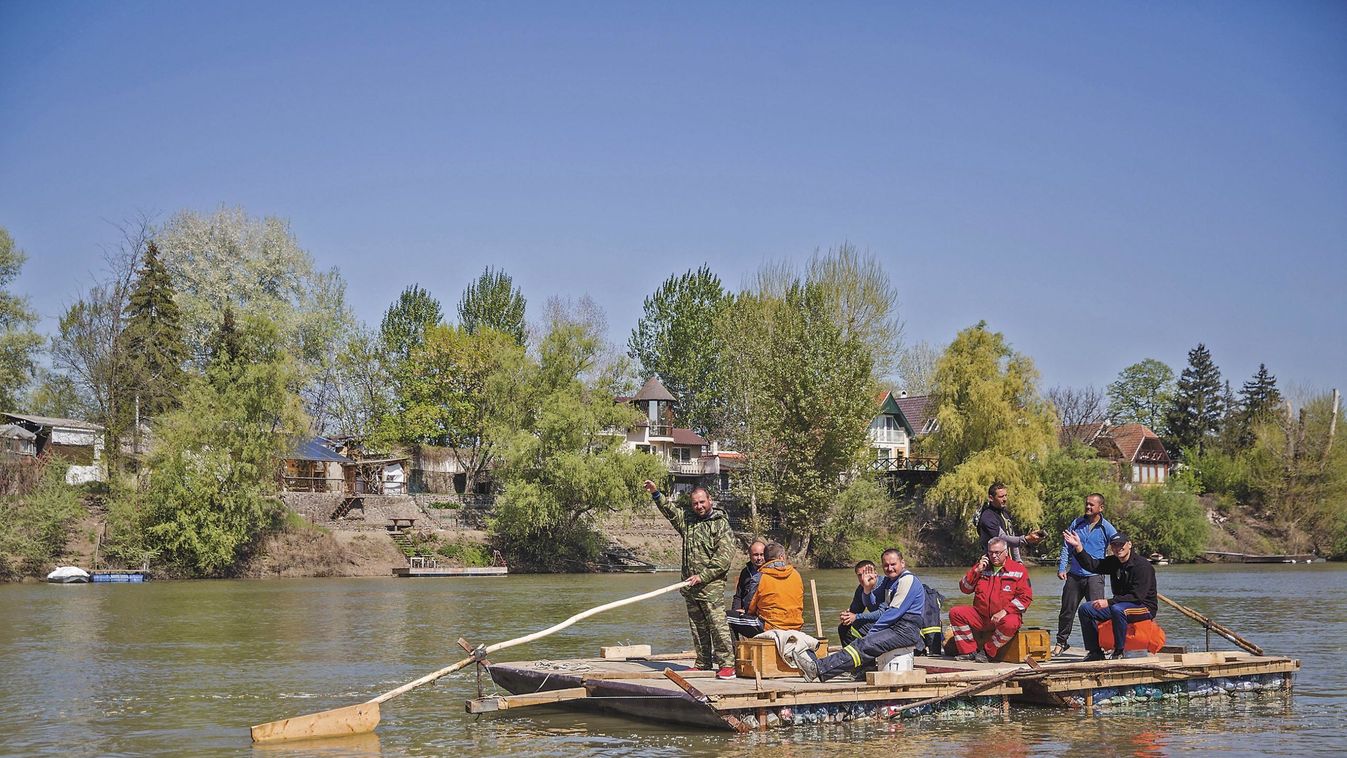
338, 722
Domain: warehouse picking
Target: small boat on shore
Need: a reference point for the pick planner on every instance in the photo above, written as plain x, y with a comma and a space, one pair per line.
68, 575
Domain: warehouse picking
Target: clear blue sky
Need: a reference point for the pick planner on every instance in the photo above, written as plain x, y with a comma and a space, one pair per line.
1101, 182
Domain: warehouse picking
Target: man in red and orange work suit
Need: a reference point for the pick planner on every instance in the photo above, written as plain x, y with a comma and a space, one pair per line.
1001, 594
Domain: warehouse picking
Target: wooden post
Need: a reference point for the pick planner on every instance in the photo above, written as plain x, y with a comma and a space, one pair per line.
818, 620
1332, 423
1089, 702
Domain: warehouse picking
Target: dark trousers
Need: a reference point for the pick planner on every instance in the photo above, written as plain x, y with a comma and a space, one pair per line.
1117, 613
862, 653
848, 632
743, 625
1075, 589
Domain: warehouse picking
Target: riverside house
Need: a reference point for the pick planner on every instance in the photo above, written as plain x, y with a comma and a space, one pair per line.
1137, 454
78, 443
692, 459
900, 422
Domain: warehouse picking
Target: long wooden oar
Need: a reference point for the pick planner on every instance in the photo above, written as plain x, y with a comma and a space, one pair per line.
358, 719
1220, 629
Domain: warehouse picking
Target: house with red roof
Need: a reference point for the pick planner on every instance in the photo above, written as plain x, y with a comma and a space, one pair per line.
692, 459
901, 420
1137, 453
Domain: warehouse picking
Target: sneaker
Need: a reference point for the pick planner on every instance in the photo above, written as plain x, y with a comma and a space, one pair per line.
1117, 655
725, 672
1094, 655
1059, 648
981, 657
975, 657
808, 666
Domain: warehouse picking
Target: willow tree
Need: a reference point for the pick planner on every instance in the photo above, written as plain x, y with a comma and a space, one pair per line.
993, 426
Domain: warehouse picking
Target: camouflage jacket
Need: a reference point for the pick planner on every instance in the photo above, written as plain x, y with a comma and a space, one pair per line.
708, 544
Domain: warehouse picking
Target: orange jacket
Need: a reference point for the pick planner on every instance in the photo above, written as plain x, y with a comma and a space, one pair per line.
779, 601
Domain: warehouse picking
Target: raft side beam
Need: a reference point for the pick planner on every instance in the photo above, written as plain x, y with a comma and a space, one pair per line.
511, 702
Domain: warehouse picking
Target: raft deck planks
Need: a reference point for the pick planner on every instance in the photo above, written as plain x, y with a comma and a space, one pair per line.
637, 687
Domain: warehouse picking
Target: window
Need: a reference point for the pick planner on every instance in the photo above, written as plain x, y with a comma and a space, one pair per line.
681, 454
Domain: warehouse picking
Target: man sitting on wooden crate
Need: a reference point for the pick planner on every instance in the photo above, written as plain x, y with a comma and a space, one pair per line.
779, 599
742, 623
899, 626
1001, 594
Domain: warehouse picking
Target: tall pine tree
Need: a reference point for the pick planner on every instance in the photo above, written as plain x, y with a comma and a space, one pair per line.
153, 340
1198, 404
1259, 399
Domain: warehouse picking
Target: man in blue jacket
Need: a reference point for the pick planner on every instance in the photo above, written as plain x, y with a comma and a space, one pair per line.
1094, 531
898, 626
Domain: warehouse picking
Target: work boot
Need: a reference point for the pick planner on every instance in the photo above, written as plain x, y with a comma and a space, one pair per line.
1094, 655
807, 664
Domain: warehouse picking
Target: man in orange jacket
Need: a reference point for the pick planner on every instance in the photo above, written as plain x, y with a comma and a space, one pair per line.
1001, 594
779, 600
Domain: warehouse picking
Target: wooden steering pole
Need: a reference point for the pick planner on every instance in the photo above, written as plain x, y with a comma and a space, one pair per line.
363, 717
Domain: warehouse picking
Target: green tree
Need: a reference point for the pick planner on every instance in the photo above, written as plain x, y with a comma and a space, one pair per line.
1168, 520
209, 499
1298, 472
1068, 475
863, 301
152, 338
1198, 409
561, 465
19, 343
493, 302
1142, 394
1259, 402
801, 400
676, 340
35, 524
404, 324
992, 427
257, 266
459, 390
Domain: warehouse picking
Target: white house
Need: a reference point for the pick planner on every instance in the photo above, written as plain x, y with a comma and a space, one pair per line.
692, 460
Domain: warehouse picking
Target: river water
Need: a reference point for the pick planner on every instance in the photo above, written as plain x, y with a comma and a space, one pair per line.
183, 668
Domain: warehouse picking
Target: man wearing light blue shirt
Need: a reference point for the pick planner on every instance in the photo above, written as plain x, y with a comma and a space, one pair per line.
1094, 531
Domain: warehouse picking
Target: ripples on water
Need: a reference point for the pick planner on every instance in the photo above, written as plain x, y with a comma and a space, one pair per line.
177, 668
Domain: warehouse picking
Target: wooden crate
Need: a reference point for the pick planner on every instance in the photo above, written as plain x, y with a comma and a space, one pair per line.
1028, 641
758, 658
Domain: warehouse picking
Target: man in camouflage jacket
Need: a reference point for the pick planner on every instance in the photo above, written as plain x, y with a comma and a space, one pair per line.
708, 547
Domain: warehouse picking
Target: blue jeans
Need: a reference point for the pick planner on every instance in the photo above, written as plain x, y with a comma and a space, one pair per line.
1115, 613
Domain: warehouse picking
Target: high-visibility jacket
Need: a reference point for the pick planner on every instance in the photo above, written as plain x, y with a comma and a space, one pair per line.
994, 590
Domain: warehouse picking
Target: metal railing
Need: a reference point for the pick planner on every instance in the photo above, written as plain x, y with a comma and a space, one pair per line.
904, 464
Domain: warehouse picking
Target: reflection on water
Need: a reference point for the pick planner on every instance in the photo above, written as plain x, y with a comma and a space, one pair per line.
185, 667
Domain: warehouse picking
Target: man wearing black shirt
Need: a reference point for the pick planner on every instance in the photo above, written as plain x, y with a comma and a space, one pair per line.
1133, 580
